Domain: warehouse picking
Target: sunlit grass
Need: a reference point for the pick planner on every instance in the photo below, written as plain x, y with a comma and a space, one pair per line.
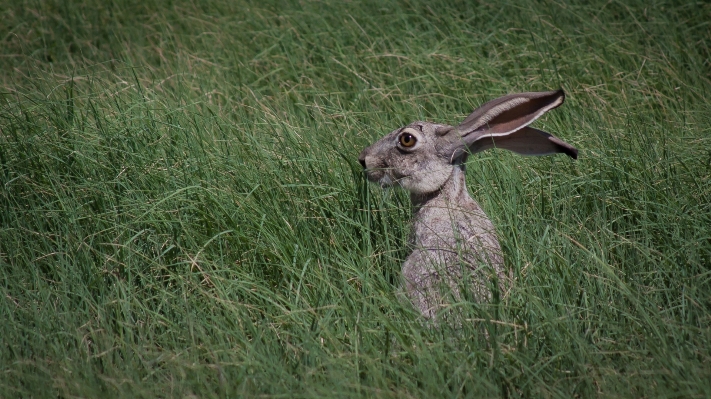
182, 211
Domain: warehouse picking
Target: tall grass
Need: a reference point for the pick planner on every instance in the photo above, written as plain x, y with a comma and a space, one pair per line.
182, 213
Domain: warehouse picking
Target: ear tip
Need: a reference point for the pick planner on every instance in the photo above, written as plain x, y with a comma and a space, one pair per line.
560, 93
571, 152
561, 145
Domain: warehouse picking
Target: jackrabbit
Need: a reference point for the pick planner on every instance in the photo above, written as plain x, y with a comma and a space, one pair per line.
451, 236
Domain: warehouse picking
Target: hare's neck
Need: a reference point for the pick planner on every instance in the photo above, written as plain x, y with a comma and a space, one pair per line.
453, 194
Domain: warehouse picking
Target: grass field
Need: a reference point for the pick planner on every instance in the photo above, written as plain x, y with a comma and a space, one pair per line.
182, 212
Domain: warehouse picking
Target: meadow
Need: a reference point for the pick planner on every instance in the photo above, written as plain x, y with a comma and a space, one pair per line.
182, 212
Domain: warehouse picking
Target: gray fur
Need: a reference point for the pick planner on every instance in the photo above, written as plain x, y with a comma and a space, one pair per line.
452, 239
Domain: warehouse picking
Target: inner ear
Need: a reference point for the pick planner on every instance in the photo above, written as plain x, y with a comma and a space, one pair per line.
507, 114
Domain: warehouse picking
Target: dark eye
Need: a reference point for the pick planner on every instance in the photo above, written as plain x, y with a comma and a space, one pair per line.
407, 140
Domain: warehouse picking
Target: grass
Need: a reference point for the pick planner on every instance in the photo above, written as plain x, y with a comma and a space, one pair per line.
182, 213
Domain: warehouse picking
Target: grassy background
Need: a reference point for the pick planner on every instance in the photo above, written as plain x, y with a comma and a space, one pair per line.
182, 213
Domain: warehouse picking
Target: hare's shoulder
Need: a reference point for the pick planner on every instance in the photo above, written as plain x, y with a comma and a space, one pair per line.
447, 222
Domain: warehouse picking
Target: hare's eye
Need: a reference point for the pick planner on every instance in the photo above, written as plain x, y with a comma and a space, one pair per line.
407, 140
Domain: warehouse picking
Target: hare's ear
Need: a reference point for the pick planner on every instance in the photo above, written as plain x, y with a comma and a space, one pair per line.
502, 123
526, 141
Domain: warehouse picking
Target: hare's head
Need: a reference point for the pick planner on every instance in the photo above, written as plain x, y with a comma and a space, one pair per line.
409, 157
421, 156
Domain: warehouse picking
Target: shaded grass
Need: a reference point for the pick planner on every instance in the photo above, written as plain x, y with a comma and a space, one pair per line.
183, 213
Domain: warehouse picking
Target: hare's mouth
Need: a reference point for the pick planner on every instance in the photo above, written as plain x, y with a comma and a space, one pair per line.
385, 181
380, 176
376, 176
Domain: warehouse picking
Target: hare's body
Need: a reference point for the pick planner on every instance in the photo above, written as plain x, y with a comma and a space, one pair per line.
452, 240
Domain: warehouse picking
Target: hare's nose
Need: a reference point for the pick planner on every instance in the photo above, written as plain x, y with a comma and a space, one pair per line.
362, 162
361, 159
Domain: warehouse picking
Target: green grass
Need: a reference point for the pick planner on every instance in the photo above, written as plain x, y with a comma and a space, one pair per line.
182, 213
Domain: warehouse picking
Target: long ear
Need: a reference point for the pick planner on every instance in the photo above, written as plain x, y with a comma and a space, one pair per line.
526, 141
496, 124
